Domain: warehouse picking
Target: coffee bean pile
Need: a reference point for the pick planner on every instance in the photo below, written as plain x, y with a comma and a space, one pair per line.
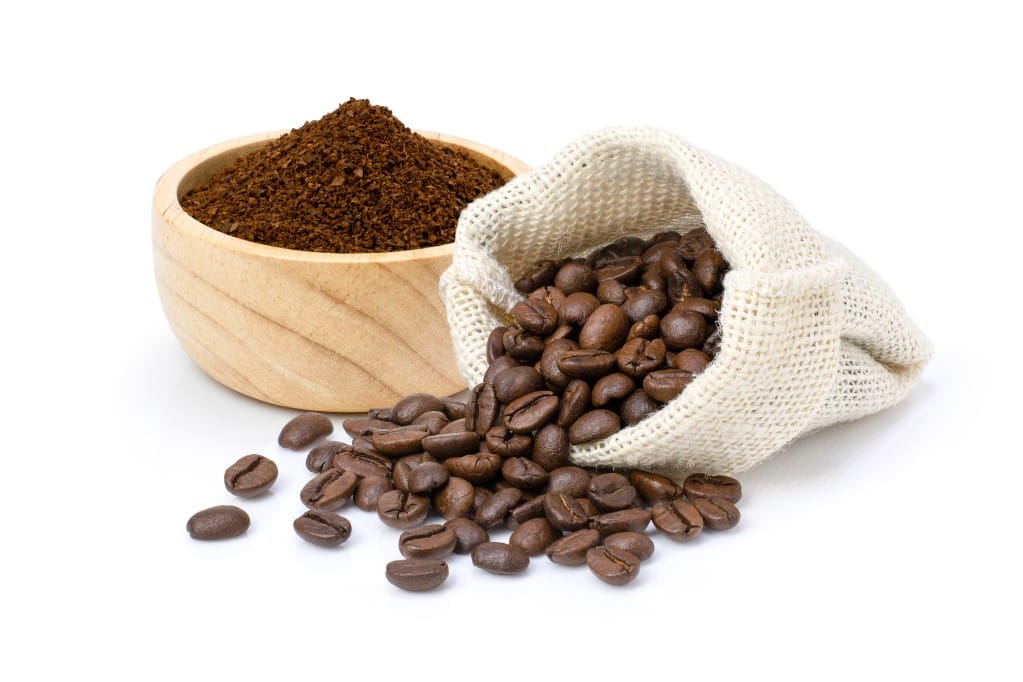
599, 342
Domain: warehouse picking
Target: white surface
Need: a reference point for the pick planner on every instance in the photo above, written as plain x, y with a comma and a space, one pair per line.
883, 549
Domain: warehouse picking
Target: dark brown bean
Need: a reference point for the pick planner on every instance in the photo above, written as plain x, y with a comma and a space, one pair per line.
433, 421
406, 410
577, 307
549, 370
575, 276
717, 512
453, 409
534, 536
432, 541
523, 511
531, 411
250, 476
497, 366
575, 401
681, 330
638, 357
365, 427
642, 302
455, 426
709, 268
218, 523
712, 346
454, 499
654, 487
611, 291
427, 477
321, 457
703, 485
404, 466
323, 528
551, 294
540, 275
693, 243
572, 481
625, 269
646, 328
495, 343
477, 469
705, 306
363, 465
610, 388
504, 443
625, 520
522, 345
612, 565
516, 382
468, 534
404, 441
481, 409
638, 544
444, 445
500, 558
611, 491
594, 425
638, 407
564, 512
678, 519
369, 490
550, 447
536, 316
586, 364
665, 384
691, 360
605, 329
416, 575
571, 549
524, 473
399, 509
304, 430
329, 490
495, 507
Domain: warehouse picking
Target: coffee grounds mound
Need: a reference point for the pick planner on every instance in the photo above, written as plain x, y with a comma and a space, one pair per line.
355, 181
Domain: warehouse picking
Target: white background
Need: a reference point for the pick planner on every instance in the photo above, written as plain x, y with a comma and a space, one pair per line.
883, 549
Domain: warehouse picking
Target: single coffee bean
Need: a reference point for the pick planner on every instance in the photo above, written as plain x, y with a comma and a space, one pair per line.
478, 469
610, 388
399, 509
534, 536
323, 528
427, 477
432, 541
575, 401
444, 445
250, 476
455, 426
524, 511
611, 291
304, 430
635, 520
572, 481
571, 549
653, 279
454, 498
564, 512
680, 282
551, 294
702, 485
497, 366
433, 421
550, 447
536, 316
479, 496
500, 558
363, 465
678, 519
516, 382
404, 467
468, 534
453, 409
642, 302
524, 473
481, 409
363, 445
495, 343
321, 457
495, 507
611, 491
404, 441
578, 307
416, 575
693, 243
683, 330
590, 509
691, 360
540, 275
665, 384
637, 544
717, 512
329, 490
218, 523
656, 251
625, 269
705, 306
594, 425
709, 268
613, 566
406, 410
646, 328
586, 364
574, 276
638, 357
638, 407
654, 487
369, 490
548, 368
504, 443
522, 345
365, 427
605, 329
531, 411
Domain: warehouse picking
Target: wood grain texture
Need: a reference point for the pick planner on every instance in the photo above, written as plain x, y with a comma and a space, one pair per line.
311, 331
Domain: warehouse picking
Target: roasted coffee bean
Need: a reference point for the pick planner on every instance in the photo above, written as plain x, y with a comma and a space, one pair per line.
574, 276
709, 268
586, 364
497, 366
329, 490
444, 445
611, 491
635, 520
304, 430
610, 388
691, 360
605, 329
479, 496
365, 427
455, 426
680, 281
516, 382
468, 534
453, 409
572, 481
427, 477
531, 411
504, 443
678, 519
611, 291
693, 243
642, 302
549, 370
564, 331
594, 425
550, 447
540, 275
322, 456
495, 343
590, 509
524, 473
494, 508
403, 468
638, 357
500, 558
362, 445
665, 384
404, 441
578, 307
613, 566
432, 541
250, 476
706, 307
571, 549
638, 407
524, 511
712, 346
522, 345
625, 269
323, 528
655, 252
218, 523
646, 328
477, 469
369, 490
653, 279
717, 512
363, 465
534, 536
654, 487
575, 401
481, 409
683, 330
564, 512
536, 316
551, 294
702, 485
399, 509
637, 544
416, 575
406, 410
433, 421
454, 498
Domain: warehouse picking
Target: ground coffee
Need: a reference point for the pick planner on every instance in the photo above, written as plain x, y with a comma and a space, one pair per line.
357, 180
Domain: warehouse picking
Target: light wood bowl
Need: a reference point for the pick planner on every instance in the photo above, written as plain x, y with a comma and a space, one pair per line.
312, 331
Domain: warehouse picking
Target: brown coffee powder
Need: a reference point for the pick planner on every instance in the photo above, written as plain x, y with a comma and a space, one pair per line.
357, 180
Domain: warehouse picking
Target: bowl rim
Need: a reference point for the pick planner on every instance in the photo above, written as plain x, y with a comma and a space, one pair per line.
168, 207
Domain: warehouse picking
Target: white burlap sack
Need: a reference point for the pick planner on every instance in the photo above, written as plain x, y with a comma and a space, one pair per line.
810, 336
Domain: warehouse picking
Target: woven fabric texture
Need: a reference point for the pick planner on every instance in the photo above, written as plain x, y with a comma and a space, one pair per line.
809, 335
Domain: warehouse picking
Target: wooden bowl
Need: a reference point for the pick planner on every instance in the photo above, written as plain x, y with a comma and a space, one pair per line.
312, 331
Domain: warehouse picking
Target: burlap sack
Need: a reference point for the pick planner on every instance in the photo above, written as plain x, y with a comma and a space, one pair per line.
810, 336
